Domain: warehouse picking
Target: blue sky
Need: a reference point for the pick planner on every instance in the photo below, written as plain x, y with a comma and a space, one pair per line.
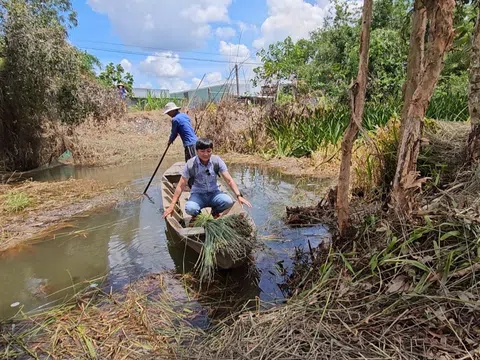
173, 43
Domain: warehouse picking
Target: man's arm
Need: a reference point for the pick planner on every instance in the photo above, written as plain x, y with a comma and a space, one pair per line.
178, 191
230, 182
174, 133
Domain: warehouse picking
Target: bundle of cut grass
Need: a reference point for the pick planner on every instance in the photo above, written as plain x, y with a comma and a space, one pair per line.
231, 236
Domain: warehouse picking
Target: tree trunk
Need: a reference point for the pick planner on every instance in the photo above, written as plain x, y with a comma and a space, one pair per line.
474, 96
357, 94
415, 54
440, 16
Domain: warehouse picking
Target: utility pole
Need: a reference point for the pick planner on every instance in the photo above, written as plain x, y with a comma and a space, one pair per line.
236, 76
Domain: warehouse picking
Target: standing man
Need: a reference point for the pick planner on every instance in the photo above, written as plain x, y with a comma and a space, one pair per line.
182, 125
122, 92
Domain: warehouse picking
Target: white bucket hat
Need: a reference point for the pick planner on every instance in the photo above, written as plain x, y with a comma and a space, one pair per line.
170, 107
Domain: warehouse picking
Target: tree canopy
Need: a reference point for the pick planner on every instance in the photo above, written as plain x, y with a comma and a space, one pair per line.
327, 61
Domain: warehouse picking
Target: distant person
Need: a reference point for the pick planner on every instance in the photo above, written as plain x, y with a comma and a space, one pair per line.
201, 173
122, 92
182, 125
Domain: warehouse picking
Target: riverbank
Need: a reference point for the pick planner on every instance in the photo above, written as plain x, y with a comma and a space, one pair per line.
140, 136
148, 319
137, 136
31, 209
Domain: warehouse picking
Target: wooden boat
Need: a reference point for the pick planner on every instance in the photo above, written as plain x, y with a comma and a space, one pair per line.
178, 223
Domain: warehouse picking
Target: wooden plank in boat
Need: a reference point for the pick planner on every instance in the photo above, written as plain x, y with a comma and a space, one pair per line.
192, 232
175, 169
169, 186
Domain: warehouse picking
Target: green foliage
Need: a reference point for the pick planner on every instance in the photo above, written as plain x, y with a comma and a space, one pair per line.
328, 62
391, 14
450, 100
153, 102
283, 60
44, 81
388, 56
16, 201
47, 12
300, 133
88, 63
114, 75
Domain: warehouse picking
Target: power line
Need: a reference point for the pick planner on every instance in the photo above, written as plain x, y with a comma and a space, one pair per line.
148, 47
165, 57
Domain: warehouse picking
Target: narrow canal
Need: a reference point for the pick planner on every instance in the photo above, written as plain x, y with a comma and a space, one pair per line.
130, 241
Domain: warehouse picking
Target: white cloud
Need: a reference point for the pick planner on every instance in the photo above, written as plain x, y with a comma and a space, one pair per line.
235, 53
179, 24
213, 78
166, 68
174, 85
127, 65
202, 12
244, 27
162, 65
147, 85
295, 18
196, 81
225, 32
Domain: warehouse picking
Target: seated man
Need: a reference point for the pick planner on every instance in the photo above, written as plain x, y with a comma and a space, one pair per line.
200, 172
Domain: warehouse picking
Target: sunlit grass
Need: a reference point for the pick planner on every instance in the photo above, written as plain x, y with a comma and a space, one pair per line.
16, 201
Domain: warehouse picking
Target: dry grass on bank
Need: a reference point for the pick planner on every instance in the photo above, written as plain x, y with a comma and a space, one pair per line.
150, 318
30, 207
136, 136
395, 290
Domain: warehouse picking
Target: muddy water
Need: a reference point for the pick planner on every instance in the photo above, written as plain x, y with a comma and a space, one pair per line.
130, 240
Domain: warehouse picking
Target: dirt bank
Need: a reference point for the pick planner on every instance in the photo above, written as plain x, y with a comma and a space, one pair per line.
144, 135
136, 136
30, 209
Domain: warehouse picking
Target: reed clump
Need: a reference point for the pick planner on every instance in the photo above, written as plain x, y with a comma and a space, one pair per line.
230, 235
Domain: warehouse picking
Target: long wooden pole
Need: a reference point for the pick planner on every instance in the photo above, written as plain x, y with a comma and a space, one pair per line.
158, 166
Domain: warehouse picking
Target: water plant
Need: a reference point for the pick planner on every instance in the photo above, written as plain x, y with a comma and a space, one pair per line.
228, 235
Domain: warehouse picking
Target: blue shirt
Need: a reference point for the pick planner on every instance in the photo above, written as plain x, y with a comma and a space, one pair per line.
181, 125
205, 178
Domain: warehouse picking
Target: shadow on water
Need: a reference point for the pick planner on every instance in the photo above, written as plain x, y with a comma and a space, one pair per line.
130, 241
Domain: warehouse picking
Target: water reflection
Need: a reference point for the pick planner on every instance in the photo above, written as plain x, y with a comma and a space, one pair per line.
130, 240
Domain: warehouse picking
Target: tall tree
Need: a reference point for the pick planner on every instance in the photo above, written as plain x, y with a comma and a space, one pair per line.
440, 37
474, 95
357, 93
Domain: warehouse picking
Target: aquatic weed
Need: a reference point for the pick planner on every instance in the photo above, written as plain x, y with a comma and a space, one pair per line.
229, 235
